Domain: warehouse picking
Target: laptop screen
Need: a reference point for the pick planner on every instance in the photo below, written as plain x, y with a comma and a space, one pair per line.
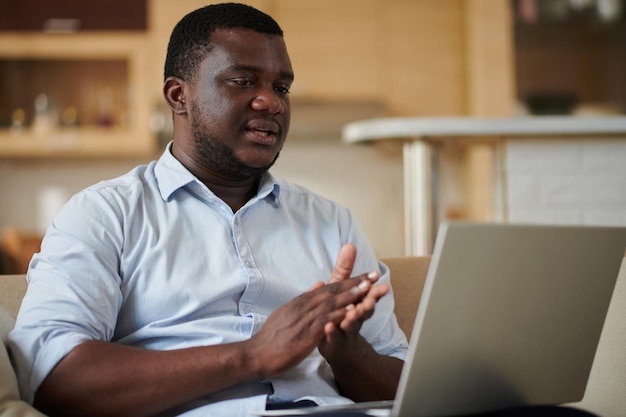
510, 315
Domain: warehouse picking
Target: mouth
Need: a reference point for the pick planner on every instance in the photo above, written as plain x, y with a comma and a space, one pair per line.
263, 132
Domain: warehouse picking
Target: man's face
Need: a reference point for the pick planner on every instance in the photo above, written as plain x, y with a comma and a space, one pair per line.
239, 100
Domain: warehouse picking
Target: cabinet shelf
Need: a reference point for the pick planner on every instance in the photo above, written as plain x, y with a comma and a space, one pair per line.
74, 143
77, 71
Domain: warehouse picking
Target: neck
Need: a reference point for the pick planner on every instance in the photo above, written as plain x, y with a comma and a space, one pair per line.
235, 192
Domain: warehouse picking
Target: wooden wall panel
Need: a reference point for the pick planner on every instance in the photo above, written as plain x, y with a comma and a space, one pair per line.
416, 57
424, 66
335, 47
488, 38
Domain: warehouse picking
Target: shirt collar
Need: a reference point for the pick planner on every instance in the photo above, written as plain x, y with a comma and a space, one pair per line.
269, 187
171, 176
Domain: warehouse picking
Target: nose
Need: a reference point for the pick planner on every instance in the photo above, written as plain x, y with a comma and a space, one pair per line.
268, 100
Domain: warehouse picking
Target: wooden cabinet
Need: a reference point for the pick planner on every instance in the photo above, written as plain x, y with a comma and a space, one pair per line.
92, 15
73, 95
428, 58
579, 56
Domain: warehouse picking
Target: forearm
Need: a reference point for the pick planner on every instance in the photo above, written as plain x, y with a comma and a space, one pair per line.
99, 378
364, 375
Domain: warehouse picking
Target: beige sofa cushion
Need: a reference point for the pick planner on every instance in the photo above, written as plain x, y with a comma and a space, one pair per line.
12, 290
606, 388
10, 403
408, 274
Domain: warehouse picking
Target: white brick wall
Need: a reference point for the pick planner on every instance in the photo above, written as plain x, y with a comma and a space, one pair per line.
566, 181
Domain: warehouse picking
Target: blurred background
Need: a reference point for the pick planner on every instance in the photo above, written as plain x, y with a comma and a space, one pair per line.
80, 95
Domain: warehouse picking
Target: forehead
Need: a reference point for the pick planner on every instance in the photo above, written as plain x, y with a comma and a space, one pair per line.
248, 48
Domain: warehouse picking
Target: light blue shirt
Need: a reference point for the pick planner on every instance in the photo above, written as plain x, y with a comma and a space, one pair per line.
154, 259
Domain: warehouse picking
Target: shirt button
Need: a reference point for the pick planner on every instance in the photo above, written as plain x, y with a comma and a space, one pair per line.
247, 309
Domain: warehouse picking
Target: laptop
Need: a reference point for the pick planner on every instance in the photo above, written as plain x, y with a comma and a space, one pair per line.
510, 315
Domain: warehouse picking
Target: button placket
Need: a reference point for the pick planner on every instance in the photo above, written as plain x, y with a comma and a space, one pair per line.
255, 279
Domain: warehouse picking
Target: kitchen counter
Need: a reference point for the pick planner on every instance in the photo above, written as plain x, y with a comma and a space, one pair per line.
416, 127
547, 169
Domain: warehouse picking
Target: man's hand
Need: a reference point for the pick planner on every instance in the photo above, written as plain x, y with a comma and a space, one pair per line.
361, 373
294, 330
339, 337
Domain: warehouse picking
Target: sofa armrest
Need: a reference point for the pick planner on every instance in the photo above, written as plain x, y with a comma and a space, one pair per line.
606, 388
12, 290
10, 403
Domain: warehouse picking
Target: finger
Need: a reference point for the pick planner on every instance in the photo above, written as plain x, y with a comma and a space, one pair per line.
317, 285
357, 314
378, 291
366, 307
344, 264
329, 331
373, 276
352, 321
328, 298
363, 282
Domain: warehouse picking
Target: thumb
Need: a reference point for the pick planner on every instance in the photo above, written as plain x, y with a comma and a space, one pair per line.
344, 264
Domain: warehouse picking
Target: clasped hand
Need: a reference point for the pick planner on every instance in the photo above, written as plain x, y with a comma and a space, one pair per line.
329, 316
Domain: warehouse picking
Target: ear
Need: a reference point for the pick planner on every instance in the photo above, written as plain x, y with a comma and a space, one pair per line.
174, 93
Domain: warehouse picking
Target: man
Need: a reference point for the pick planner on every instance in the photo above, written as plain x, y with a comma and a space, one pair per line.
200, 284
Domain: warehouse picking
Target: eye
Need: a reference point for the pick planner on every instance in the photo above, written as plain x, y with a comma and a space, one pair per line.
282, 89
243, 82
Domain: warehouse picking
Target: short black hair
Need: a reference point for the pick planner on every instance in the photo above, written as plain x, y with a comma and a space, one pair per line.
189, 42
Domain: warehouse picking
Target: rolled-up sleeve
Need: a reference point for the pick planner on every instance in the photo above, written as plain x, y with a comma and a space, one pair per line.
73, 293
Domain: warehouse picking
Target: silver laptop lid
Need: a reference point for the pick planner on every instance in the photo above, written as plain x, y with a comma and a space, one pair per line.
510, 315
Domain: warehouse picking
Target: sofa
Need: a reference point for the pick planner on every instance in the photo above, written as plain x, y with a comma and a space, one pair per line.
605, 394
12, 289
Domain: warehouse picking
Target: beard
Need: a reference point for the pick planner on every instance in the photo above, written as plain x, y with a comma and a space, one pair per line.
221, 158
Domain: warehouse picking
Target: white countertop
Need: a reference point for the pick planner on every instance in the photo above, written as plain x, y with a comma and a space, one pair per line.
421, 127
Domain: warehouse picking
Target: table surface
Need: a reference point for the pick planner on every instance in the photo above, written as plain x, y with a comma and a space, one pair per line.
421, 127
